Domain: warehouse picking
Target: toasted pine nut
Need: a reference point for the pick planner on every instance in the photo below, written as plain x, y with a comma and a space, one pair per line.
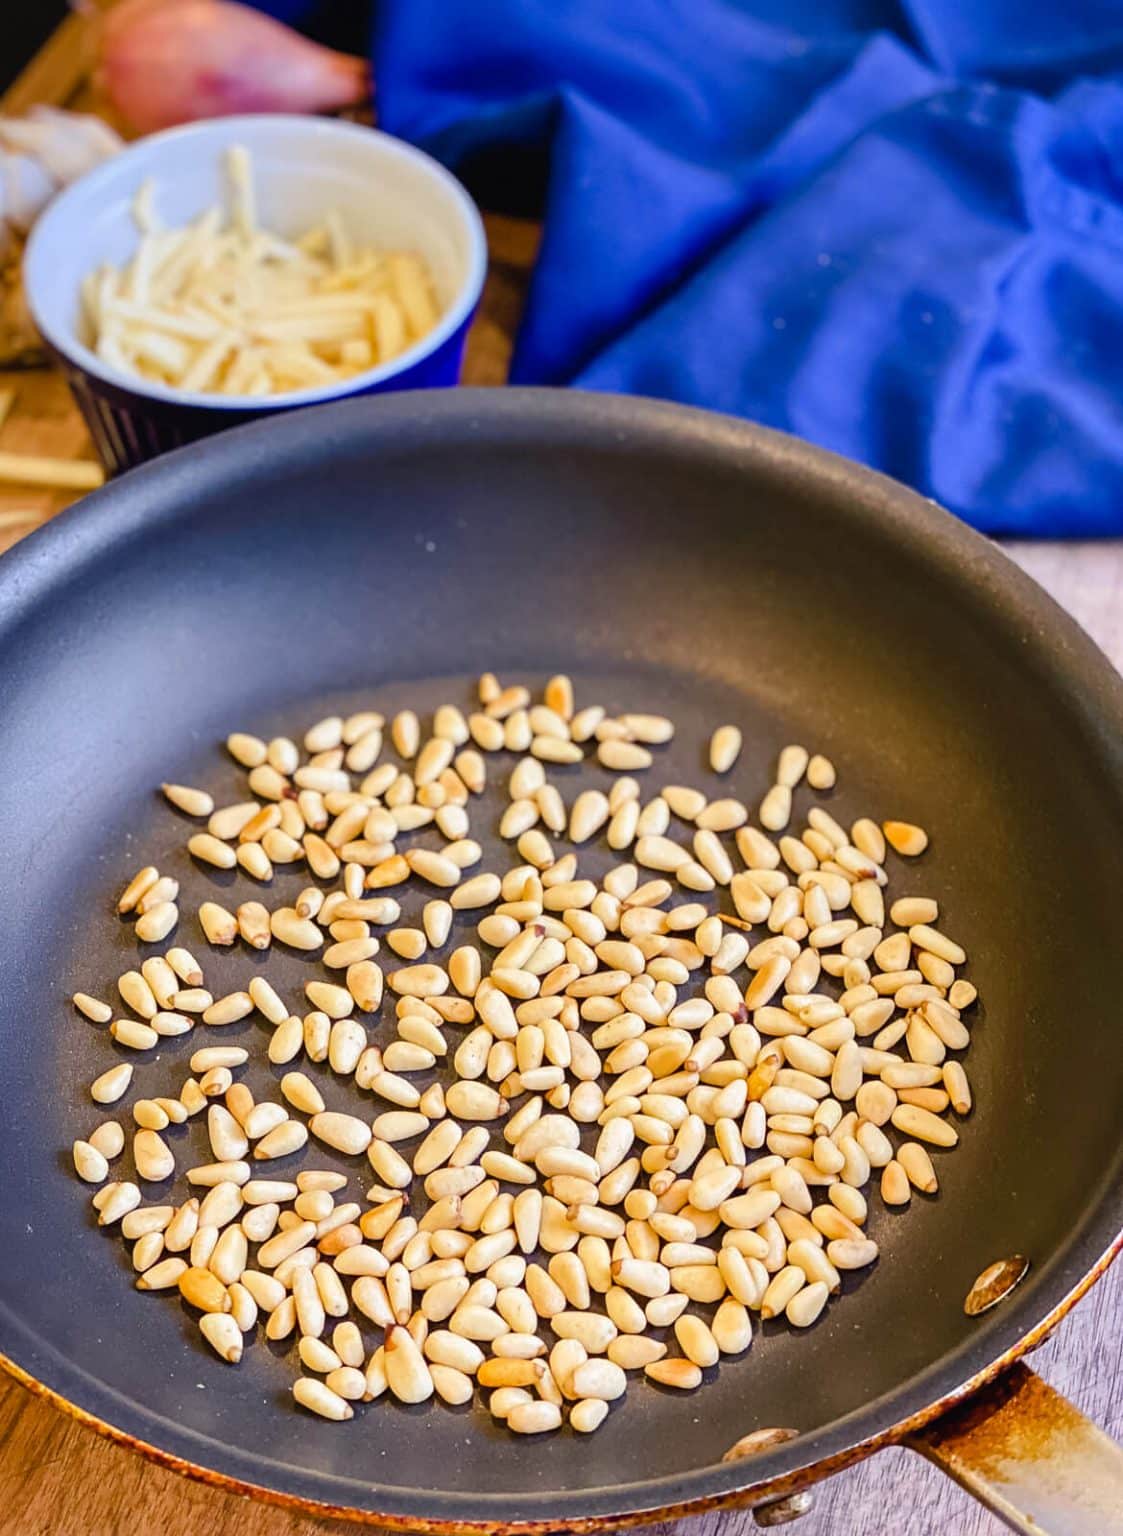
296, 931
768, 1061
681, 1374
905, 838
142, 881
895, 1184
925, 1126
914, 1159
229, 1009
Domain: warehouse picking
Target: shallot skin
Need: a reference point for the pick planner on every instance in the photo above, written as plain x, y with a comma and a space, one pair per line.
163, 62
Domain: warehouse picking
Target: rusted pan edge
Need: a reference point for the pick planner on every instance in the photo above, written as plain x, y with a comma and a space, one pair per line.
1030, 1456
748, 1494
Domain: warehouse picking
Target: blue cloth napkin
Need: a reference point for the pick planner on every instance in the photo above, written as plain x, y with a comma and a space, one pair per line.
895, 229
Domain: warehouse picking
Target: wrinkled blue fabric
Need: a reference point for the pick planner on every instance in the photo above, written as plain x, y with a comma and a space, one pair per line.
893, 229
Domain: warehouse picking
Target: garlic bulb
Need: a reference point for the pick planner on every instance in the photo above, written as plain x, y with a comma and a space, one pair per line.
39, 155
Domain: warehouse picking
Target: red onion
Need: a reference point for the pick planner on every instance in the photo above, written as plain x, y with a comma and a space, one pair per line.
171, 61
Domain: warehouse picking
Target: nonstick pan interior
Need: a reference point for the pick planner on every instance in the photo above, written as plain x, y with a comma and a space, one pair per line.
385, 553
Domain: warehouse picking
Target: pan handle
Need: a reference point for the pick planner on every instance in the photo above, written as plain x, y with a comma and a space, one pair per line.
1025, 1452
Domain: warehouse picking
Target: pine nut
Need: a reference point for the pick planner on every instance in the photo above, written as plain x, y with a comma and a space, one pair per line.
914, 1159
924, 936
114, 1201
620, 756
479, 891
201, 1289
164, 892
141, 882
136, 1037
695, 1340
153, 1158
791, 766
136, 992
905, 838
316, 1356
111, 1085
318, 1398
90, 1164
108, 1139
962, 995
661, 1072
821, 772
587, 1415
776, 808
156, 922
851, 1253
406, 1371
895, 1184
295, 931
725, 748
957, 1086
92, 1007
550, 749
210, 850
533, 1418
803, 1308
229, 1009
343, 1132
925, 1126
193, 802
681, 1374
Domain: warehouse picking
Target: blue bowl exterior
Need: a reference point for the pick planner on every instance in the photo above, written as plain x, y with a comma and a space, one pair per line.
129, 428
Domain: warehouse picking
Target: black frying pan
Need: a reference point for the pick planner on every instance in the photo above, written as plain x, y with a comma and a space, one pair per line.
387, 552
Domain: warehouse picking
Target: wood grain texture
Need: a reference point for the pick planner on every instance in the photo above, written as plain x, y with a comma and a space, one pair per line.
59, 1479
43, 420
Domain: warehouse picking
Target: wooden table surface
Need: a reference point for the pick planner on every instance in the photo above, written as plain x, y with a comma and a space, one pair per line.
59, 1479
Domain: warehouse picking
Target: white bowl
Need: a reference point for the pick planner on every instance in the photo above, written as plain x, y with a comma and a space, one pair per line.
388, 194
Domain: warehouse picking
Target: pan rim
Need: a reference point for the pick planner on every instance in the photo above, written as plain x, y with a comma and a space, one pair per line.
139, 505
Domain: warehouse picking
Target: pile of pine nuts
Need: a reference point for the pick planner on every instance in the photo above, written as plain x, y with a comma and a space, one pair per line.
656, 1120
